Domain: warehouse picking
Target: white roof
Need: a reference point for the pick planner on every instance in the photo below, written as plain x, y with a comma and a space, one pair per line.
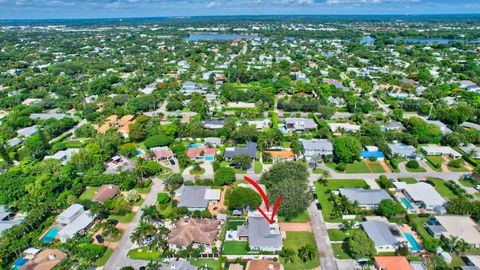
80, 223
71, 211
445, 150
474, 259
423, 192
460, 226
212, 194
347, 126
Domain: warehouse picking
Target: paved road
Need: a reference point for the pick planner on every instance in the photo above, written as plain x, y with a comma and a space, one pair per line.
72, 130
319, 229
119, 257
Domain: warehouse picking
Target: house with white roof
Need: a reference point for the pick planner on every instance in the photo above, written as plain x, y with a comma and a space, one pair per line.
423, 195
300, 124
443, 128
462, 227
439, 150
402, 150
63, 155
78, 225
317, 148
70, 214
340, 127
471, 150
366, 198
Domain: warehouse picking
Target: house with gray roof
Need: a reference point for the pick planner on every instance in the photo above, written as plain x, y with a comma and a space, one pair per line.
214, 124
443, 128
317, 148
300, 124
385, 236
471, 150
261, 235
45, 116
27, 132
392, 125
6, 220
402, 150
366, 198
198, 197
470, 125
250, 149
177, 265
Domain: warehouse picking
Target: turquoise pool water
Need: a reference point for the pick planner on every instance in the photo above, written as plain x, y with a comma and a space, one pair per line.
138, 152
406, 203
195, 145
414, 246
209, 158
50, 235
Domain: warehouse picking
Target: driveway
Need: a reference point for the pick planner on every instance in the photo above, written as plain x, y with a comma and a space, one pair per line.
119, 258
325, 253
295, 227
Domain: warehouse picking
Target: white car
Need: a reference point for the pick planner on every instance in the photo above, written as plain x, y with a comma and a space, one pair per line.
477, 187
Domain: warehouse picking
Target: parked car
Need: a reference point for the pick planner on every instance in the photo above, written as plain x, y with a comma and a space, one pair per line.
319, 206
172, 162
477, 187
99, 238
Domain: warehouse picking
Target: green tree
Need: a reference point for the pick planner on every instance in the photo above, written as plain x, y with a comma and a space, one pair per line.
347, 149
389, 208
224, 176
360, 246
306, 253
244, 198
287, 254
243, 161
158, 140
128, 149
174, 181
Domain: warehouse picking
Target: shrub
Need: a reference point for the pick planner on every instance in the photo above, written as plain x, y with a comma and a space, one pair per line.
158, 140
341, 167
163, 198
456, 163
224, 176
412, 164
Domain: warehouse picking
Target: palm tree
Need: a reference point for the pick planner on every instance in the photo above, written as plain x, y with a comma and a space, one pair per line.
306, 253
461, 247
143, 230
326, 174
141, 167
150, 214
287, 254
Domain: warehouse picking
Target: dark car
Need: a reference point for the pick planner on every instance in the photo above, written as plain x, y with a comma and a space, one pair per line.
172, 162
113, 222
99, 238
319, 206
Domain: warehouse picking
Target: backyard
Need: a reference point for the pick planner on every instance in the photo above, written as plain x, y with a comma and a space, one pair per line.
435, 162
236, 248
441, 188
294, 241
359, 167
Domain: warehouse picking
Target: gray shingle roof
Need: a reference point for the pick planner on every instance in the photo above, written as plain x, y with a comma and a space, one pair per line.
193, 197
379, 233
365, 196
250, 149
259, 234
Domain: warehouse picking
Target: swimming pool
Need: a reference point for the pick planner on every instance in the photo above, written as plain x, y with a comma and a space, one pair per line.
209, 158
50, 235
194, 145
19, 263
414, 246
406, 203
138, 152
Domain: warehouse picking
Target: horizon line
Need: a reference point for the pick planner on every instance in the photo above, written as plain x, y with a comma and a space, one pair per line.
242, 15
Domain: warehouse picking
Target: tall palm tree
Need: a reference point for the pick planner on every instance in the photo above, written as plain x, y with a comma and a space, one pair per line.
141, 168
150, 214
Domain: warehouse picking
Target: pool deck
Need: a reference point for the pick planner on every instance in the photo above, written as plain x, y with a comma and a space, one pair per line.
404, 228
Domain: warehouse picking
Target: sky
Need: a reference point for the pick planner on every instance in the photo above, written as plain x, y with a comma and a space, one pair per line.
71, 9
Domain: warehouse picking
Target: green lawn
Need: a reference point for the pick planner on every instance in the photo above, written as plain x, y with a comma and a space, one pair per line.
101, 261
303, 217
408, 180
376, 168
418, 222
236, 248
144, 254
332, 186
294, 241
88, 193
339, 252
318, 171
211, 263
466, 183
441, 188
457, 262
461, 169
435, 162
258, 167
127, 218
419, 169
233, 224
339, 235
357, 167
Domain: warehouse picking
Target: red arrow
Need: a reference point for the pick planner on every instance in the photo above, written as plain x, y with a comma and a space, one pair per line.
265, 200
